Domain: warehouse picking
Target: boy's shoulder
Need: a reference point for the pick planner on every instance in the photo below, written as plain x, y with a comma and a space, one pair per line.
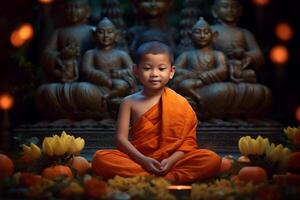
133, 97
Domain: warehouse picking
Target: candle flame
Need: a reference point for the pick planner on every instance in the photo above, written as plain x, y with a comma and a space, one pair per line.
45, 1
179, 187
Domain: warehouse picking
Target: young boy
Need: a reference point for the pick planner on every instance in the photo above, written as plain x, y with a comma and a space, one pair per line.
163, 132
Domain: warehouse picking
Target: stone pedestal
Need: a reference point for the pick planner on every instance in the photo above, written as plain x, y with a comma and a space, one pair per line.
220, 136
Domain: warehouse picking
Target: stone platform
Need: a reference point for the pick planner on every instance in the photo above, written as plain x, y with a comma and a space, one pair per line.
218, 135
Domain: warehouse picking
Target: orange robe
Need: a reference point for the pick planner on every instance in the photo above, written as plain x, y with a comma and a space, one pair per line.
167, 127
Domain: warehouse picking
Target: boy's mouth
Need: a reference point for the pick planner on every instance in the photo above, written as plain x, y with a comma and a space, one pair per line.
154, 81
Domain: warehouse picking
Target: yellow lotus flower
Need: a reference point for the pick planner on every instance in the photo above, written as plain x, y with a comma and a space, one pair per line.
58, 146
47, 146
278, 154
250, 146
76, 145
243, 146
35, 151
291, 132
79, 144
72, 146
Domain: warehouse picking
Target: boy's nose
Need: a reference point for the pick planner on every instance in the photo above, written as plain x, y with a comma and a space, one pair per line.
153, 72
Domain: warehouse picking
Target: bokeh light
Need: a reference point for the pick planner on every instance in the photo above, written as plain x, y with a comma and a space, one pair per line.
25, 31
284, 31
6, 101
45, 1
297, 114
15, 39
261, 2
22, 34
279, 54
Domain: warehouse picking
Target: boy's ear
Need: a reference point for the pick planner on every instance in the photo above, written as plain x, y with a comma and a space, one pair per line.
173, 69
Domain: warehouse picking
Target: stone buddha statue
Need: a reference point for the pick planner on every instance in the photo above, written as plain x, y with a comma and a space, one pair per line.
202, 76
151, 24
67, 44
107, 66
63, 97
194, 66
239, 45
201, 66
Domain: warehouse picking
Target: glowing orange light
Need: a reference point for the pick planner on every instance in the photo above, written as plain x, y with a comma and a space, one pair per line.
297, 114
6, 101
261, 2
25, 31
45, 1
279, 54
179, 187
284, 31
16, 40
21, 35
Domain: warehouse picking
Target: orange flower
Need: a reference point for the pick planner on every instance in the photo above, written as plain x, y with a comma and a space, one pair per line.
29, 179
56, 171
6, 166
254, 174
80, 164
95, 188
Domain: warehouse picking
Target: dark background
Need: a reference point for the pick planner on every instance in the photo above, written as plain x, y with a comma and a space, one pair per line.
21, 73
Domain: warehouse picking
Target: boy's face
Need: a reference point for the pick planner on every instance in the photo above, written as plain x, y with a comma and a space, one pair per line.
154, 70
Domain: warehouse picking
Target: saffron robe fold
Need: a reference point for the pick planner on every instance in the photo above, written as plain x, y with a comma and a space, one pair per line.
167, 127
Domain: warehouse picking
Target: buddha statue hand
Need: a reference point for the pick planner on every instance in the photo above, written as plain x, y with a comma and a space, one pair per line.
235, 68
246, 62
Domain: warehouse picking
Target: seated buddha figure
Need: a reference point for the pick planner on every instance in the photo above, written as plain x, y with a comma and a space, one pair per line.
68, 43
239, 45
64, 97
201, 66
106, 66
202, 76
151, 24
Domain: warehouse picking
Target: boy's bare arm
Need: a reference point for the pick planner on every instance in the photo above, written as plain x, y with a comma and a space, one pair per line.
125, 145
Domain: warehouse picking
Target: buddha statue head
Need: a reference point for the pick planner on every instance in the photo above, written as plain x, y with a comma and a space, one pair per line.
227, 11
152, 8
105, 33
77, 11
202, 35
